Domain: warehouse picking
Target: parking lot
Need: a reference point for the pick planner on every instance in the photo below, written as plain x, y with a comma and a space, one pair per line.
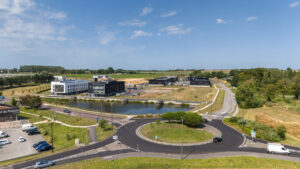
18, 149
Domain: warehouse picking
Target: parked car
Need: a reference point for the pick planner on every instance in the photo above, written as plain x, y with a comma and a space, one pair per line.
34, 132
21, 139
44, 148
277, 148
43, 164
67, 111
38, 143
41, 145
28, 126
3, 134
4, 141
217, 139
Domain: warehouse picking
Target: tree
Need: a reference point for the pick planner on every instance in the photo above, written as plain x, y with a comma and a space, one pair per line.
1, 93
281, 130
246, 97
179, 115
102, 123
192, 119
14, 102
33, 102
168, 116
297, 86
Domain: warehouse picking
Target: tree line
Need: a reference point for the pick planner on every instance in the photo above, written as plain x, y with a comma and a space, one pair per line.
218, 74
257, 86
16, 81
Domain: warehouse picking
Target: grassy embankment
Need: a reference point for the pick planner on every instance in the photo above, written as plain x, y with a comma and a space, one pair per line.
171, 133
21, 91
162, 163
217, 105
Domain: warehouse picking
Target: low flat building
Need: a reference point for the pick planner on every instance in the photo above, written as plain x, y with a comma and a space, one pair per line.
199, 81
8, 113
168, 80
68, 87
106, 88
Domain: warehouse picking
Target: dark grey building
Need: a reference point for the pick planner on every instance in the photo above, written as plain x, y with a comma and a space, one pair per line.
8, 113
168, 80
106, 88
200, 81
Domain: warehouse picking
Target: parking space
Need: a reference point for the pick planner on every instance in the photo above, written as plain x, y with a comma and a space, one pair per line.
18, 149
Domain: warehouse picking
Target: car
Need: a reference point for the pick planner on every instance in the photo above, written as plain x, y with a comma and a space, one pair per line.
27, 131
217, 139
3, 134
21, 139
41, 145
27, 126
38, 143
67, 111
43, 164
34, 132
44, 148
277, 148
4, 141
205, 120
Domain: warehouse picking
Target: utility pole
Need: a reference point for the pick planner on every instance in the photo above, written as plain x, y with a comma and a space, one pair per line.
181, 139
52, 132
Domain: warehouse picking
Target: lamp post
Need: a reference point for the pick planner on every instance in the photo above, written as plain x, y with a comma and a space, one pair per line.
181, 139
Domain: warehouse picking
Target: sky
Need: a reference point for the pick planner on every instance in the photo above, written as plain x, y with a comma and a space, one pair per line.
150, 34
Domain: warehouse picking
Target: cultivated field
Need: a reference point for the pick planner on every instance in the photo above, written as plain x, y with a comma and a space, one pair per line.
21, 91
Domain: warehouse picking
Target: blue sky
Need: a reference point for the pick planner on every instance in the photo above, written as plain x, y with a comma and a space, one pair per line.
144, 34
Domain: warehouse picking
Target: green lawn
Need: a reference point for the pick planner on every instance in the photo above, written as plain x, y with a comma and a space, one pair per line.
71, 120
171, 133
162, 163
29, 117
103, 134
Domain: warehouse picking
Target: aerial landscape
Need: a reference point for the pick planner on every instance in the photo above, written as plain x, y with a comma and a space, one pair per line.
149, 84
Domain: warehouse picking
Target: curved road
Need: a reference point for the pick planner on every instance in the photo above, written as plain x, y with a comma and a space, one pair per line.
232, 140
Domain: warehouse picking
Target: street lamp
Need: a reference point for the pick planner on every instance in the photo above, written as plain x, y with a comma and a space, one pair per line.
52, 131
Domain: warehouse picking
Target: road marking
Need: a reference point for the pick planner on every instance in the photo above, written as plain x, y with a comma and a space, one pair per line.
243, 141
107, 157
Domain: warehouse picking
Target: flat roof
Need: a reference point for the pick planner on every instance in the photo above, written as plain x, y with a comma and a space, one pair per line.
3, 107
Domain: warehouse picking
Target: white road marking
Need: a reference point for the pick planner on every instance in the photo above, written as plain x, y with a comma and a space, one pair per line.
107, 157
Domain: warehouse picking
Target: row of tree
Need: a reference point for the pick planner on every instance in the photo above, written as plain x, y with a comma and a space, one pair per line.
218, 74
15, 81
189, 119
257, 86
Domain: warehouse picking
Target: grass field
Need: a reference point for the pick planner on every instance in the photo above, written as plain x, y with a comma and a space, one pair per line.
162, 163
71, 120
218, 104
177, 93
21, 91
171, 133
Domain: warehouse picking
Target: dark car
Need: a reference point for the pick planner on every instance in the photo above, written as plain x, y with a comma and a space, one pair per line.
217, 139
67, 111
34, 132
41, 145
205, 120
30, 130
44, 148
38, 143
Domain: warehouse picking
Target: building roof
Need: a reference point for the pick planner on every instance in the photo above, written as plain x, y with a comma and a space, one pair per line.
72, 81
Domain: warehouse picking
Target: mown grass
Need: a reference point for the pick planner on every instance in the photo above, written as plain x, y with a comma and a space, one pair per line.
21, 91
68, 119
30, 118
162, 163
171, 133
217, 105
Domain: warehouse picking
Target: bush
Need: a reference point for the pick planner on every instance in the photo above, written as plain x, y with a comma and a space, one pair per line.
14, 102
179, 115
192, 119
149, 115
103, 123
168, 116
233, 119
157, 121
281, 130
139, 116
68, 137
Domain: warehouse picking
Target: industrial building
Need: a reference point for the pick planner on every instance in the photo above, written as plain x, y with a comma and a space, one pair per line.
199, 81
66, 87
8, 113
168, 80
106, 88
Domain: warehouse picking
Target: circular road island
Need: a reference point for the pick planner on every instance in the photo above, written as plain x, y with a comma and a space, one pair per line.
166, 132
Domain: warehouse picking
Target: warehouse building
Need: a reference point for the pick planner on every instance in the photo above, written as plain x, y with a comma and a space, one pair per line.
106, 88
8, 113
67, 87
199, 81
168, 80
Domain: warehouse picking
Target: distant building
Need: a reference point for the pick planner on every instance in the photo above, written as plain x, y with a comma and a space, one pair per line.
8, 113
60, 78
106, 88
168, 80
200, 81
101, 78
67, 87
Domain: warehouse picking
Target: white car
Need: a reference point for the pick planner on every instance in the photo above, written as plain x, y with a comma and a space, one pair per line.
4, 141
21, 139
277, 148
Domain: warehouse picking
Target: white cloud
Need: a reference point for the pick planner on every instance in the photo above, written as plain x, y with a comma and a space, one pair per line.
220, 21
105, 37
4, 5
295, 4
134, 22
172, 13
175, 29
56, 15
146, 11
251, 18
139, 33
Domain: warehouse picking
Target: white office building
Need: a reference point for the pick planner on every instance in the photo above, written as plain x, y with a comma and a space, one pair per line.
69, 87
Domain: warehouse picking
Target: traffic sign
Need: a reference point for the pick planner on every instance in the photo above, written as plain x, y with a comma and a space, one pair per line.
156, 137
253, 134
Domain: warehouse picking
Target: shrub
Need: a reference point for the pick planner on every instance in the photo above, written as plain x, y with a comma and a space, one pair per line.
179, 115
281, 130
149, 115
233, 119
103, 123
168, 116
14, 102
68, 137
139, 116
192, 119
157, 121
